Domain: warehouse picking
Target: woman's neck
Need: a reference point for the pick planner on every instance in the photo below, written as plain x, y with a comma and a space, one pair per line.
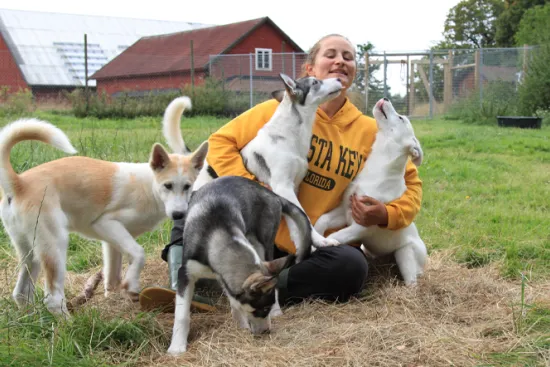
334, 105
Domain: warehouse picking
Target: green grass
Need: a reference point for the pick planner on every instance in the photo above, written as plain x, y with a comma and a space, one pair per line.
486, 198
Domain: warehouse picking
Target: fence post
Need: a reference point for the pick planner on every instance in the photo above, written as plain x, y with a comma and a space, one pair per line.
366, 81
294, 65
480, 76
408, 89
431, 82
283, 55
86, 91
192, 70
251, 85
411, 88
385, 75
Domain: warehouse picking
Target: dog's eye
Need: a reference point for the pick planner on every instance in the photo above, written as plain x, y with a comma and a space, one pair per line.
315, 82
401, 118
168, 186
186, 187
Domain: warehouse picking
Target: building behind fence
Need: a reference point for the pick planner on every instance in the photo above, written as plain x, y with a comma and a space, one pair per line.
421, 84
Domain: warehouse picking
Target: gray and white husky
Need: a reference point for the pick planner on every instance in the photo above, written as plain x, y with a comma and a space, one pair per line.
229, 235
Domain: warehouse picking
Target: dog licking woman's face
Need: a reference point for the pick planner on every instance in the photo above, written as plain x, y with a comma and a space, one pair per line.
332, 56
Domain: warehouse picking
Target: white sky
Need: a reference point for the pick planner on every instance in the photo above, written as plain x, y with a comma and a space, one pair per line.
391, 25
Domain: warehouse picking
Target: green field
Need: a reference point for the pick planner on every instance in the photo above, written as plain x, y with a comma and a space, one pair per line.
486, 205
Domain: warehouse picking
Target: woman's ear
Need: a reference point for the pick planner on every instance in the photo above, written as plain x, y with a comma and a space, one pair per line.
309, 70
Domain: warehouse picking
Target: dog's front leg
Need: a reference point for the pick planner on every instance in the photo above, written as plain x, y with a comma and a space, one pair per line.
113, 232
333, 219
349, 235
112, 267
182, 320
318, 240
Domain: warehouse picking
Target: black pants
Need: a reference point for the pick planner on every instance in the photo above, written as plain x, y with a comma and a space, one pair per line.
330, 273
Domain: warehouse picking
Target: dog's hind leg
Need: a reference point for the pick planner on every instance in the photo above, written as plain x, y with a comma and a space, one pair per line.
52, 252
29, 268
406, 261
112, 267
182, 314
115, 234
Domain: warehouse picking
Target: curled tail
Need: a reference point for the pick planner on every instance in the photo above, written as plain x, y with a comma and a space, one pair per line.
171, 124
299, 227
27, 129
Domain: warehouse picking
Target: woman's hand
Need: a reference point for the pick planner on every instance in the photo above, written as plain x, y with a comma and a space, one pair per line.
368, 211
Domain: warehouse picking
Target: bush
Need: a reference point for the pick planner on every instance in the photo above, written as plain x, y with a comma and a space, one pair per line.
208, 99
534, 91
18, 103
499, 99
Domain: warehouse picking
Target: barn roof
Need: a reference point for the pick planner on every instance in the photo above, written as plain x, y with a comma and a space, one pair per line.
49, 47
172, 52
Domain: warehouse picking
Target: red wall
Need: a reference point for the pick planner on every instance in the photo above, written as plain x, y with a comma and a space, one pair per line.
146, 83
10, 75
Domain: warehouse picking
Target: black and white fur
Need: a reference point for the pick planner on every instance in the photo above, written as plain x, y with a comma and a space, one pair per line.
228, 235
277, 156
382, 178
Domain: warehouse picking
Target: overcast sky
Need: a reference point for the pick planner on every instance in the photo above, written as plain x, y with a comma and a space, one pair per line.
391, 25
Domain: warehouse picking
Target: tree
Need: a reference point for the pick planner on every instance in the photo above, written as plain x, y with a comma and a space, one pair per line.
373, 83
534, 27
508, 22
472, 23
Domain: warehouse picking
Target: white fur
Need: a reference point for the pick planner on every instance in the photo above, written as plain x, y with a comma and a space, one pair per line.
382, 178
137, 203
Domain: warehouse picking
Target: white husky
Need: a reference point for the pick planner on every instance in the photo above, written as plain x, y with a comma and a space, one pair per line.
107, 201
382, 179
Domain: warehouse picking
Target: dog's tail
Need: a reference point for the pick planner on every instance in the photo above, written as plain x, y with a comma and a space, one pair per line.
27, 129
299, 227
171, 124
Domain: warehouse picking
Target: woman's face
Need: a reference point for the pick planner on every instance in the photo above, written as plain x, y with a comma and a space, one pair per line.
335, 59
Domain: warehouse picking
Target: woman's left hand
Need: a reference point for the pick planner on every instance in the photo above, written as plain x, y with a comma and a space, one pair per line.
368, 211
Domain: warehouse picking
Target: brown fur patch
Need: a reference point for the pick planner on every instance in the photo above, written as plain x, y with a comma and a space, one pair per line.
69, 180
50, 269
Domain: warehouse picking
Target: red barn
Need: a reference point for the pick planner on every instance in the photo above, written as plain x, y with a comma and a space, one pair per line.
239, 53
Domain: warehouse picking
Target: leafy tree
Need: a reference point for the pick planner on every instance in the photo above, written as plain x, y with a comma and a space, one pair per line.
373, 83
534, 28
534, 91
472, 23
508, 22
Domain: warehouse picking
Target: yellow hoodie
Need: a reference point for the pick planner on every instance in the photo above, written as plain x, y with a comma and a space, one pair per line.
339, 147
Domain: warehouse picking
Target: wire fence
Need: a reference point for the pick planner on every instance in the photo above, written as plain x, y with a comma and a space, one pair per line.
422, 84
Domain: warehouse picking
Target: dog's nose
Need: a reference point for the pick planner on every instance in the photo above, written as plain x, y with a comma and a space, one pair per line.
177, 215
340, 80
385, 99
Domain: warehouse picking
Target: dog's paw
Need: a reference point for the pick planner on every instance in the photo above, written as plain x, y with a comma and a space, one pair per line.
176, 350
326, 242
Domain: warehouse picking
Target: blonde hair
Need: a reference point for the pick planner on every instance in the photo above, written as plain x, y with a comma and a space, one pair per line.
312, 54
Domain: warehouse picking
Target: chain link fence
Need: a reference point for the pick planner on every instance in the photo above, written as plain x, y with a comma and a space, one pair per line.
423, 84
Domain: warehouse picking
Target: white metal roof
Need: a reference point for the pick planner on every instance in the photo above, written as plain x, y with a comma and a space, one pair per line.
49, 47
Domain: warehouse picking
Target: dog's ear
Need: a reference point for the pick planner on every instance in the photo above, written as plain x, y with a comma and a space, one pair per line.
290, 84
274, 267
159, 157
258, 282
278, 94
197, 159
416, 152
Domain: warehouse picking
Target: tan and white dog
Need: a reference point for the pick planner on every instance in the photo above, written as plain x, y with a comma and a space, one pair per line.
112, 202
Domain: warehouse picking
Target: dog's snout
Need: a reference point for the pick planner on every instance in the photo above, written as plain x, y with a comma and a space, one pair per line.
178, 215
339, 80
385, 99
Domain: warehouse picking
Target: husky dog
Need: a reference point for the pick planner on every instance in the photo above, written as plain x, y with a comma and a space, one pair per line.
228, 235
382, 179
107, 201
277, 156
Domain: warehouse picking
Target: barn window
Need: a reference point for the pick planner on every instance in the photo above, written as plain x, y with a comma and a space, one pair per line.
263, 59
